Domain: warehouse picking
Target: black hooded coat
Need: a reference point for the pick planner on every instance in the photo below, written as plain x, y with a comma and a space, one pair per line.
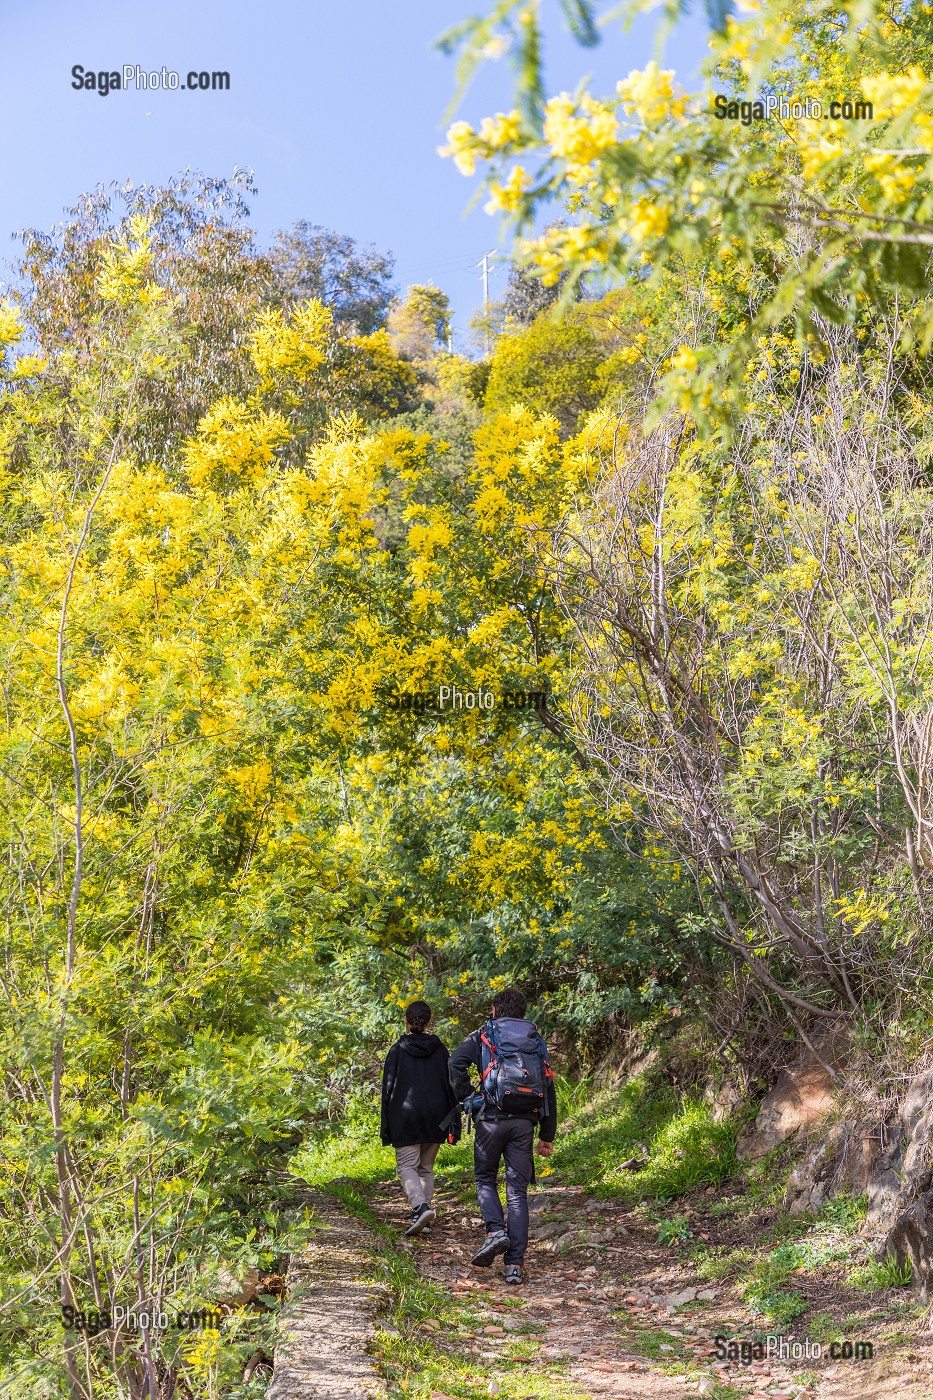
416, 1092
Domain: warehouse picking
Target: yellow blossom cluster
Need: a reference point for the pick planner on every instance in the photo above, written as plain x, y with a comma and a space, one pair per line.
461, 147
10, 326
633, 352
424, 538
738, 41
508, 196
28, 365
587, 245
579, 132
293, 345
895, 178
233, 438
646, 220
860, 910
893, 93
502, 130
125, 274
685, 359
648, 93
495, 135
814, 157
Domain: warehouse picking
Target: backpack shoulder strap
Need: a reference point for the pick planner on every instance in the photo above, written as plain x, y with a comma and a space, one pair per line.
489, 1042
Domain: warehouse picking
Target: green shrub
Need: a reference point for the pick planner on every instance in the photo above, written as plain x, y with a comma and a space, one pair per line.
676, 1231
879, 1274
550, 367
686, 1146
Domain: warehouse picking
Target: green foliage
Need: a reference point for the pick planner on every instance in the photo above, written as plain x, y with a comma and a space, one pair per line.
649, 1344
674, 1231
572, 1095
691, 1149
551, 367
238, 522
845, 1211
313, 263
879, 1274
420, 324
686, 1146
829, 1240
767, 1296
478, 380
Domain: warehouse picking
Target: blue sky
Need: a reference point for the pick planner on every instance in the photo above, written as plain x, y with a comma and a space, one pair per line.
337, 108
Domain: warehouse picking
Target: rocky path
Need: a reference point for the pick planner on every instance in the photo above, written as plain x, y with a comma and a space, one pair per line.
330, 1313
611, 1312
607, 1313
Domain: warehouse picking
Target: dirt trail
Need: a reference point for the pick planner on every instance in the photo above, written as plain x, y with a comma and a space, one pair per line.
620, 1315
330, 1313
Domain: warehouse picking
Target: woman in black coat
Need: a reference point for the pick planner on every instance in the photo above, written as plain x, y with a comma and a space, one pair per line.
416, 1104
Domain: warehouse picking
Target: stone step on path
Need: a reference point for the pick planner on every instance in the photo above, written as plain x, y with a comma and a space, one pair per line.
329, 1318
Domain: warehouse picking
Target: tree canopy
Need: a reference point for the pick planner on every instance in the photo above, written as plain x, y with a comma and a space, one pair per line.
255, 523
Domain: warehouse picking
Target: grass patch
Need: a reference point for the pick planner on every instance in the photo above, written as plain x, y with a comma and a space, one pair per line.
847, 1212
876, 1275
350, 1149
713, 1263
765, 1288
780, 1305
729, 1205
686, 1146
353, 1150
674, 1231
649, 1344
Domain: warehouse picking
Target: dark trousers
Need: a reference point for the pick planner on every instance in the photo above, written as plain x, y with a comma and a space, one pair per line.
512, 1139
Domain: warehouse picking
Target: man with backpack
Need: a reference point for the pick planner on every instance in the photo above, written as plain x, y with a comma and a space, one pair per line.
516, 1092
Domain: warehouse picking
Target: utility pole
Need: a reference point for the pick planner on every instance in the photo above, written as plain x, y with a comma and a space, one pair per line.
485, 266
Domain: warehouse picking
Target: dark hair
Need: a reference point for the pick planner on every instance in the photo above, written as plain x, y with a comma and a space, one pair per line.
417, 1016
509, 1002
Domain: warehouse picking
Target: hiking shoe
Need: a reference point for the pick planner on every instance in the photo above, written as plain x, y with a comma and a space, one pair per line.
496, 1242
421, 1218
514, 1273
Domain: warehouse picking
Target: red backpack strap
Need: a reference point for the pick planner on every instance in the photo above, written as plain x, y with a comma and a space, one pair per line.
548, 1072
491, 1047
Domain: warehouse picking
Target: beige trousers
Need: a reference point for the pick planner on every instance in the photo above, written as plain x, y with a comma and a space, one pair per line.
415, 1167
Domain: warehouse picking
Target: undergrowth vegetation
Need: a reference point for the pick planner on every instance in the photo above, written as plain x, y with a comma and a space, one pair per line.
686, 1146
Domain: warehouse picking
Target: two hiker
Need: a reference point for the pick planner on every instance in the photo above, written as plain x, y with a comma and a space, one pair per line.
422, 1090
